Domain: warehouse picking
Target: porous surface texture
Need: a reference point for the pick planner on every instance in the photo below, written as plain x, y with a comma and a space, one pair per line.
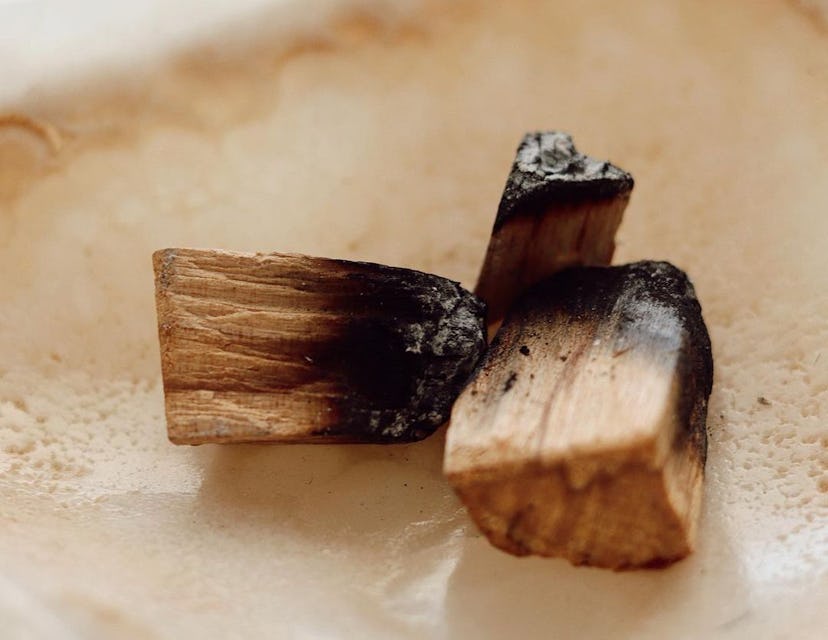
386, 137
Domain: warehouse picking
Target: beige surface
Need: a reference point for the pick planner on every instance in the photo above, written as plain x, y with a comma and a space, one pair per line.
391, 142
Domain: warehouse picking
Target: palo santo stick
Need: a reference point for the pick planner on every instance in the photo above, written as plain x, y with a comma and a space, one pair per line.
583, 433
560, 208
289, 348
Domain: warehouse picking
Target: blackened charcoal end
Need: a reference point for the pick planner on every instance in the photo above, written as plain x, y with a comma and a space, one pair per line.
402, 374
656, 284
548, 169
661, 285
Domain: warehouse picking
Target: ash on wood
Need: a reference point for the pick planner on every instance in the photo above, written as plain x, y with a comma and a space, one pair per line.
289, 348
560, 208
583, 432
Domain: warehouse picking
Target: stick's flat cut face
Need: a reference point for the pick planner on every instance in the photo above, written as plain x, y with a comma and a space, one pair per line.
273, 347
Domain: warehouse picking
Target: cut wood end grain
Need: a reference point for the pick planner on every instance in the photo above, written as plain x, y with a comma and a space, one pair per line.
290, 348
583, 433
559, 208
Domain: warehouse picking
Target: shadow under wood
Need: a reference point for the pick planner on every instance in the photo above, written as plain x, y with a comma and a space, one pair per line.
703, 595
355, 497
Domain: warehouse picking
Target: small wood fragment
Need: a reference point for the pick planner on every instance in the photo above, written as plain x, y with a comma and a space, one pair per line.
583, 433
289, 348
560, 208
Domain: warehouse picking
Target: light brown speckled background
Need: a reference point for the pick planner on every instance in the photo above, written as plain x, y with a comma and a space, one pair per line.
388, 138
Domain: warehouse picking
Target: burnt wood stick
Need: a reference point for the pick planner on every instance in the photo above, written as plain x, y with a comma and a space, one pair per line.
560, 208
290, 348
582, 434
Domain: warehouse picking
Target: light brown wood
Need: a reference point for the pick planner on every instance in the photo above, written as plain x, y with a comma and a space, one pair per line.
560, 208
290, 348
583, 433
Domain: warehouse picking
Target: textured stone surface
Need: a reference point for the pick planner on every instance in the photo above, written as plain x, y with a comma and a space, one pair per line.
391, 144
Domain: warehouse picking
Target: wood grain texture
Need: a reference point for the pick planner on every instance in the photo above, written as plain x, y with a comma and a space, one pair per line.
559, 208
290, 348
583, 432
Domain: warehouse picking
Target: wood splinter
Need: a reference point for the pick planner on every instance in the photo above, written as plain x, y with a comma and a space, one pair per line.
289, 348
560, 208
583, 433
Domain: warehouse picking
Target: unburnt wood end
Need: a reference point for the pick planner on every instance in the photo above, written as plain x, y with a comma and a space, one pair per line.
289, 348
559, 208
583, 432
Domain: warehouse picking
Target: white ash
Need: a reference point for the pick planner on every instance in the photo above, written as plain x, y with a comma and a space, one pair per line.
551, 155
